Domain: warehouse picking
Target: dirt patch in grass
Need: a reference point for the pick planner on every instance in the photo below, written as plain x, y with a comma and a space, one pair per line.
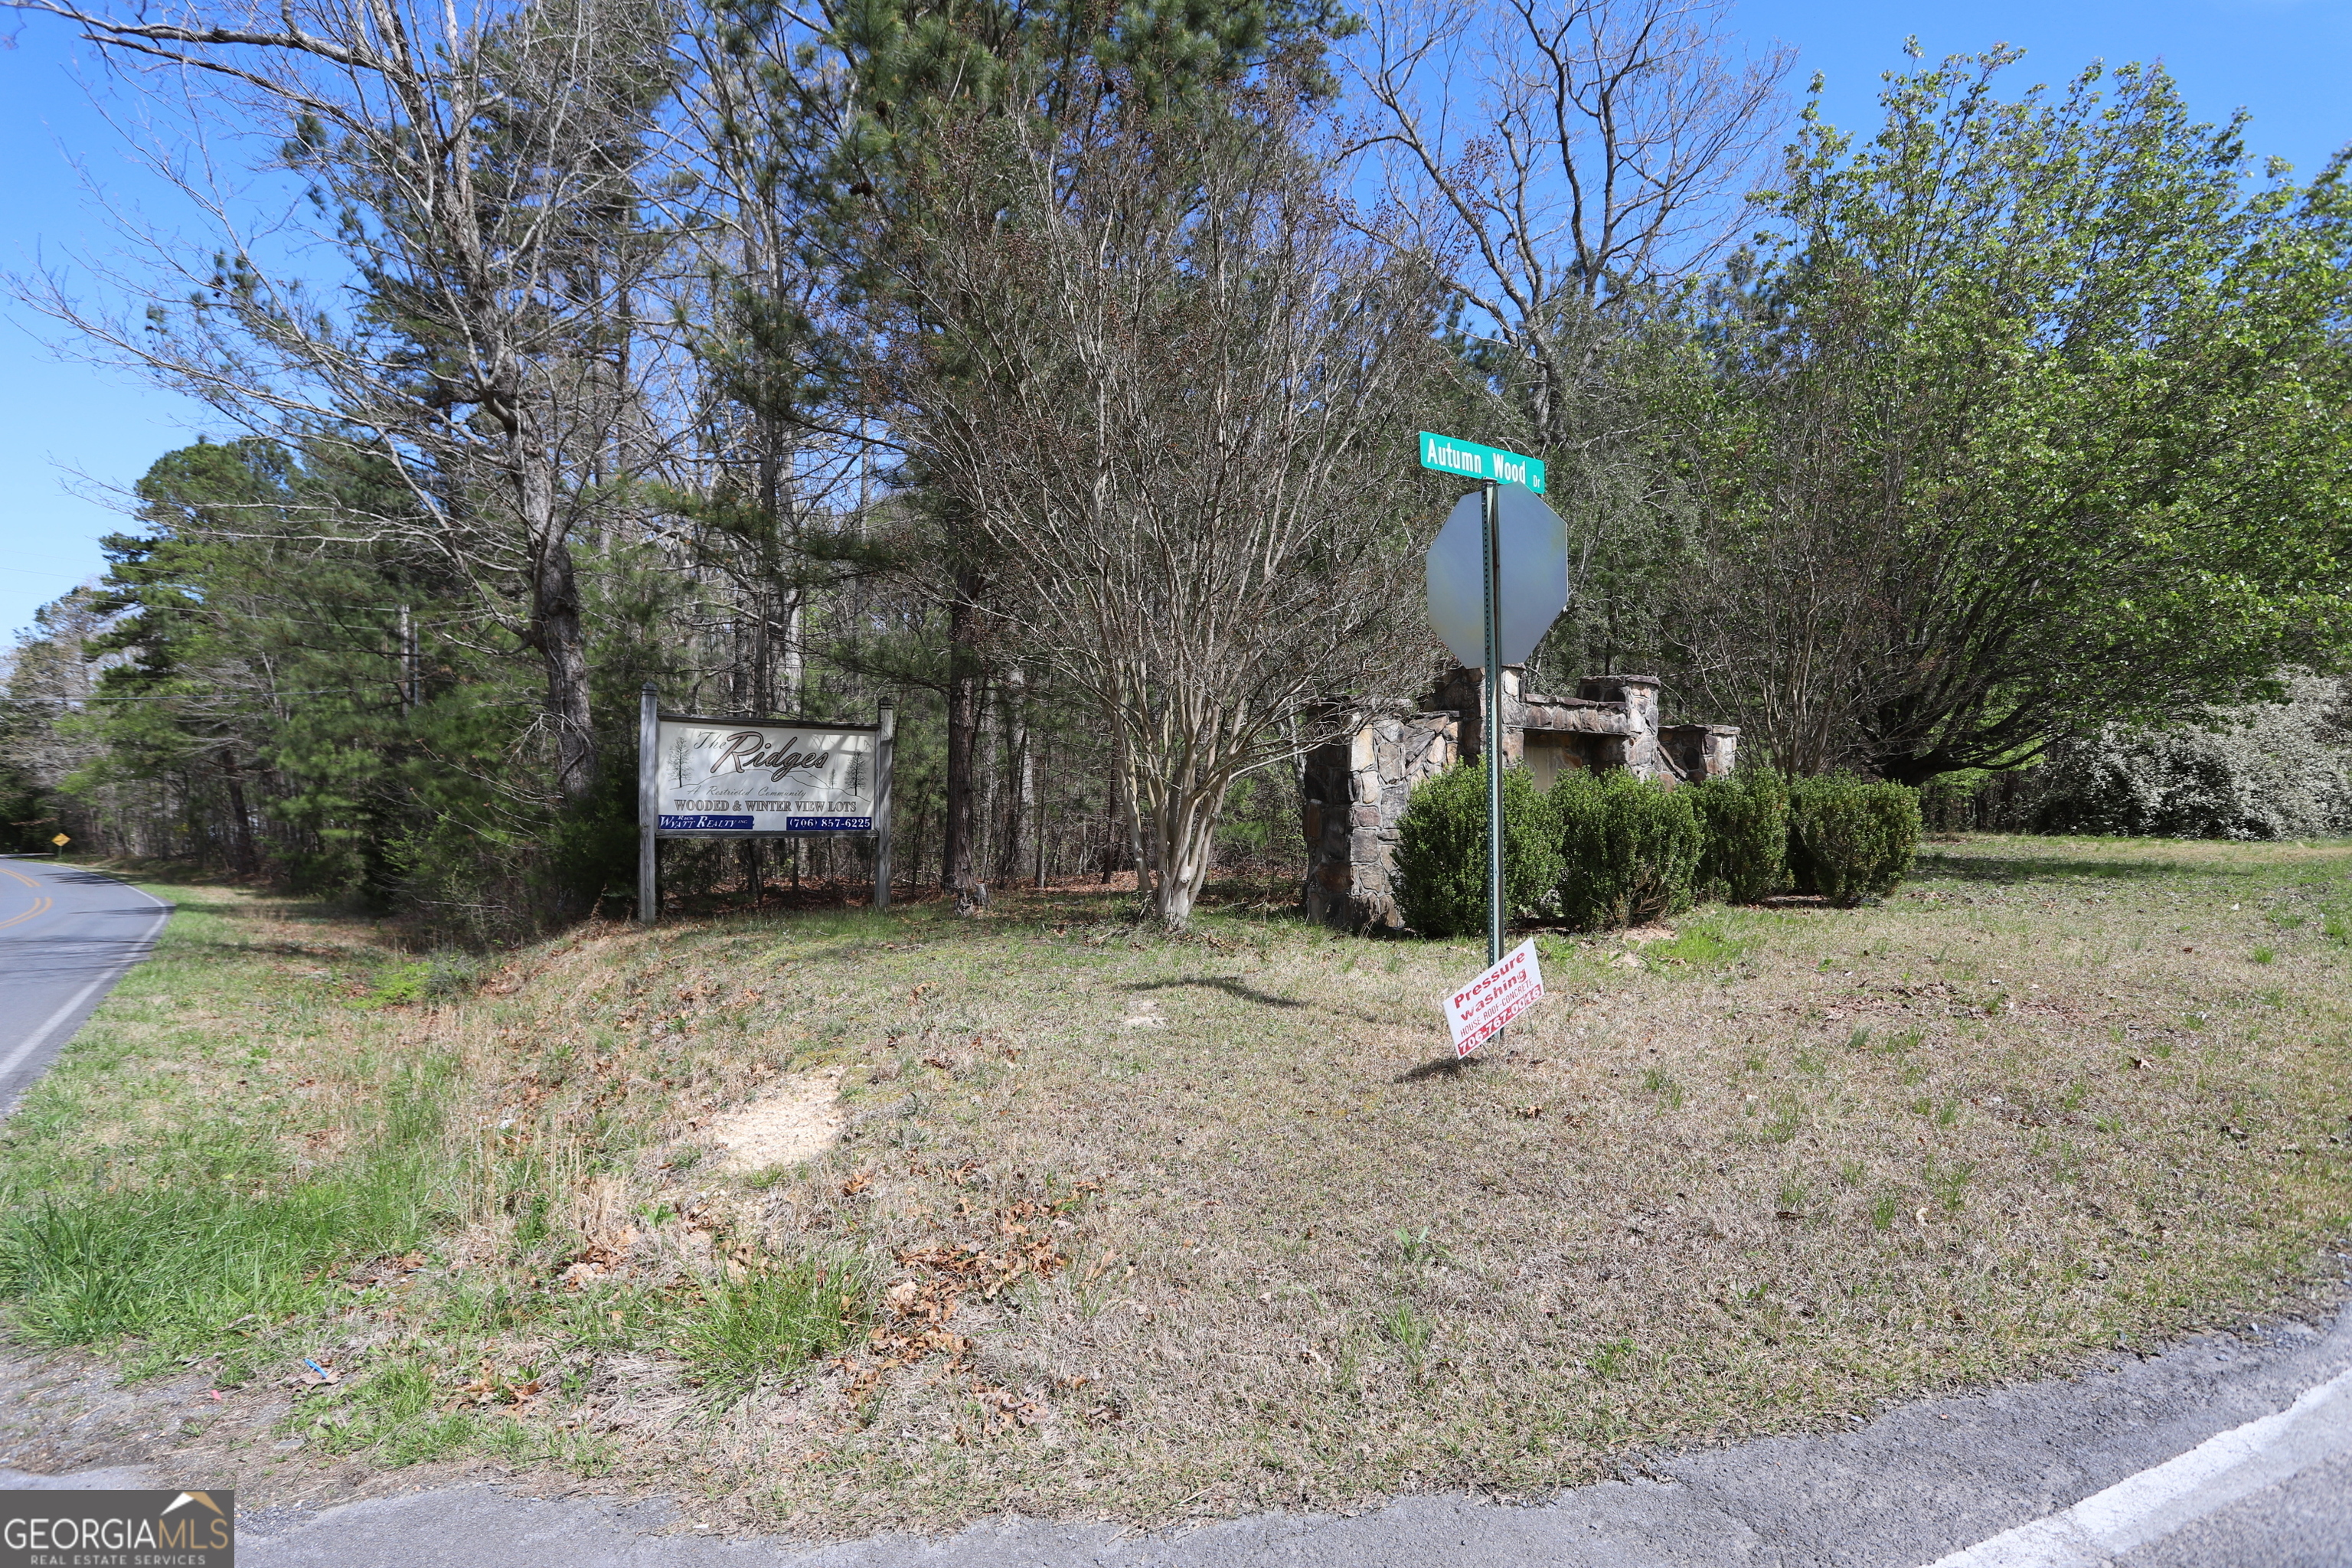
1128, 1227
789, 1125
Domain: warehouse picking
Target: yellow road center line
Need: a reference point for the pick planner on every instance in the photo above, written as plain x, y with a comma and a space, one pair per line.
40, 907
11, 871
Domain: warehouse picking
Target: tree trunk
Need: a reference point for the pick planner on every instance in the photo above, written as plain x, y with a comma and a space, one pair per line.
1020, 774
1183, 832
555, 632
963, 730
241, 851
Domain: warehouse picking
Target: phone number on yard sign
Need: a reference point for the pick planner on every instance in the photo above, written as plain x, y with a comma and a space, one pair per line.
828, 825
1478, 1011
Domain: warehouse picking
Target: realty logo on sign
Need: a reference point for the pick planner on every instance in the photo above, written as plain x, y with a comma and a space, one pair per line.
1477, 1011
118, 1529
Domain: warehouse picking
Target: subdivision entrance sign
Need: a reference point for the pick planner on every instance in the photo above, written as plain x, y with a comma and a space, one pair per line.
759, 778
1478, 1011
733, 776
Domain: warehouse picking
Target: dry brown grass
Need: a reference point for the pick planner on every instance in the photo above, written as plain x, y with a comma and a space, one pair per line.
1159, 1228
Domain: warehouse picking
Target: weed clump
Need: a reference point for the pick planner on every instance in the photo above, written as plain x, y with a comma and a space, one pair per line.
770, 1320
1850, 840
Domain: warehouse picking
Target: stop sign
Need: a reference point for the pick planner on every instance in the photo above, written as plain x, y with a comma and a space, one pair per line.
1532, 585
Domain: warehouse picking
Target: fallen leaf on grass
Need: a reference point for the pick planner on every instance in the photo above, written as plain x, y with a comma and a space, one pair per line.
856, 1183
1005, 1409
490, 1386
1529, 1111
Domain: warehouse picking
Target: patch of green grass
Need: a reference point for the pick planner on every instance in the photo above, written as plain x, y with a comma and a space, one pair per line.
175, 1267
1669, 1091
1699, 946
422, 980
395, 1410
1613, 1359
1949, 1182
403, 1412
1409, 1329
771, 1322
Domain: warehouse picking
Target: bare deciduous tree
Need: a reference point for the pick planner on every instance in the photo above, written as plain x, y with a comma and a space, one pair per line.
1569, 152
1178, 397
472, 174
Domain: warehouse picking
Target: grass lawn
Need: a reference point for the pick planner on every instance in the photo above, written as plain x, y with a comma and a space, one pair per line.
1140, 1229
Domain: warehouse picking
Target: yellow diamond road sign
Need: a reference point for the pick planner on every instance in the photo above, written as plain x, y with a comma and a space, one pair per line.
61, 841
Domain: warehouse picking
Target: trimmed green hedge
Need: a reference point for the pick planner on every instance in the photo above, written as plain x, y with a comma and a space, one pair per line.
1631, 849
1441, 860
1850, 840
1745, 821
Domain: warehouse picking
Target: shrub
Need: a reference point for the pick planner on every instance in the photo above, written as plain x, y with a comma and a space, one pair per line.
2260, 771
1850, 840
1442, 850
1745, 823
1631, 848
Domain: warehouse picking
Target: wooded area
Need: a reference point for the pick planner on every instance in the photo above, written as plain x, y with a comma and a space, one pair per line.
1055, 369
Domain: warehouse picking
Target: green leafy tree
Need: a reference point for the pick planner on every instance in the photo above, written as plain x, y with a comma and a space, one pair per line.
2031, 418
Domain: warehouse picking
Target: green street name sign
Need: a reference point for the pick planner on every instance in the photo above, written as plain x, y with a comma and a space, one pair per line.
1472, 461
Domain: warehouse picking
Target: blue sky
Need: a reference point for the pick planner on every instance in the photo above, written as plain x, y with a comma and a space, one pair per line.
67, 427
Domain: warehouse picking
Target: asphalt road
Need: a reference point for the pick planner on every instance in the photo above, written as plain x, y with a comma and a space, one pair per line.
67, 936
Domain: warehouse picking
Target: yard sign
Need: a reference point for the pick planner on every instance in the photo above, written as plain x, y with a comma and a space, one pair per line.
729, 777
1478, 1011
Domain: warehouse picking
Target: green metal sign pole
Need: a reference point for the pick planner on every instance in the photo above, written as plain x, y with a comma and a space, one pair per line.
1539, 587
1493, 739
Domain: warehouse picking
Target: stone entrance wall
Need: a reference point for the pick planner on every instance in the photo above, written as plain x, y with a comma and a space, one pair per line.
1355, 790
